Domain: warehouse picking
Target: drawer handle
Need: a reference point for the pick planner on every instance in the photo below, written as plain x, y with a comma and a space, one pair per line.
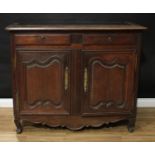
109, 39
66, 78
42, 37
85, 79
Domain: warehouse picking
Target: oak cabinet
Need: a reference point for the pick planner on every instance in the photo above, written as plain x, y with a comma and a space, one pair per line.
75, 76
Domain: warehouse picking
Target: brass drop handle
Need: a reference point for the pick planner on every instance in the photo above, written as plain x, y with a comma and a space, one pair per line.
85, 79
66, 78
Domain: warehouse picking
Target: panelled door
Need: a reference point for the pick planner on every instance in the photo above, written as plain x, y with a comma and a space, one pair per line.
44, 81
108, 81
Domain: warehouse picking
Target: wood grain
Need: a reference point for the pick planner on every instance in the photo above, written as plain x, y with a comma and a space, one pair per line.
145, 130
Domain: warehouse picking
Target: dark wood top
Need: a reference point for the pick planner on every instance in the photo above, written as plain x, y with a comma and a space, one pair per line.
79, 27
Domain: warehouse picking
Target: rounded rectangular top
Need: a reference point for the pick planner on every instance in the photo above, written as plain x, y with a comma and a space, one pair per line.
76, 27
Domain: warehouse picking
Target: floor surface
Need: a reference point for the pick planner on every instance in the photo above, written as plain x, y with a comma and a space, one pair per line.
144, 131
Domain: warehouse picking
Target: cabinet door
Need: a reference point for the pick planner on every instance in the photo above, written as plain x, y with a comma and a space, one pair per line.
44, 82
108, 82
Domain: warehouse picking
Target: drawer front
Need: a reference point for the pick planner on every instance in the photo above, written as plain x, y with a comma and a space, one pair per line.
42, 39
110, 39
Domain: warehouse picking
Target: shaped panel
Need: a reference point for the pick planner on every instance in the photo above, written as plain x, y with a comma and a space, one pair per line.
42, 80
109, 82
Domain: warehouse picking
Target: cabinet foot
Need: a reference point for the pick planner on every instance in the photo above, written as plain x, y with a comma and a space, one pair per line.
19, 127
131, 124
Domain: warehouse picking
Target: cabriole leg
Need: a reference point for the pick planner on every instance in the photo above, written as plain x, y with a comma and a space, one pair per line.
131, 124
19, 127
